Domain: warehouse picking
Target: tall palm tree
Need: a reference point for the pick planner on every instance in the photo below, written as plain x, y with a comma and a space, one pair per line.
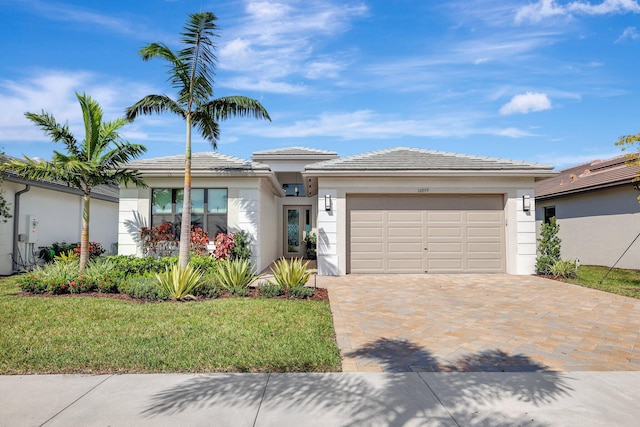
191, 73
96, 160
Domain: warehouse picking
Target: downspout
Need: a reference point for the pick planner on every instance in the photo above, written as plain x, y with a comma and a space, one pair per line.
16, 225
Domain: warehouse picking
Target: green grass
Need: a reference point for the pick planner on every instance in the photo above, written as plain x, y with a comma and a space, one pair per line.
102, 335
619, 281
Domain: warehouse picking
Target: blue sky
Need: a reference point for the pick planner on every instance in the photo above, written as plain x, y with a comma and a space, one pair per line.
539, 80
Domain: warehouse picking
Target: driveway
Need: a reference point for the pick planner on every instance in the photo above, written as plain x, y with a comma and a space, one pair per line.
492, 322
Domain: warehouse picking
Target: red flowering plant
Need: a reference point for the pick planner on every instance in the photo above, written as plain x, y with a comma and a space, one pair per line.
95, 250
224, 245
199, 240
159, 241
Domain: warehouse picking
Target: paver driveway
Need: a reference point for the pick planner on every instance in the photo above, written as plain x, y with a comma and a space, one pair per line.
487, 322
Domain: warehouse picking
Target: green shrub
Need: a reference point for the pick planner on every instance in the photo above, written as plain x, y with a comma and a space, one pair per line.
144, 288
32, 282
270, 290
102, 274
548, 247
241, 247
205, 263
58, 277
566, 269
299, 292
178, 282
208, 288
129, 265
290, 274
236, 275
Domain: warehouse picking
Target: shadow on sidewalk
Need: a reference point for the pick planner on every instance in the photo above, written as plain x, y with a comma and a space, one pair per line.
393, 398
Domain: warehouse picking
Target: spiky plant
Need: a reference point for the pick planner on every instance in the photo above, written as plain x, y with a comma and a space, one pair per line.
290, 273
179, 282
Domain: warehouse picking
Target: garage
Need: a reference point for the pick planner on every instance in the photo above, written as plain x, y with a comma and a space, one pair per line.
426, 233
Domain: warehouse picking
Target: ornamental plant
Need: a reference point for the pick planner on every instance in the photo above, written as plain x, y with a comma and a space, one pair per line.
179, 282
236, 275
224, 244
548, 247
290, 274
199, 239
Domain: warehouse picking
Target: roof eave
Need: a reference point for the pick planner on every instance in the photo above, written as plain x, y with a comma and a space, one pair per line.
432, 173
582, 190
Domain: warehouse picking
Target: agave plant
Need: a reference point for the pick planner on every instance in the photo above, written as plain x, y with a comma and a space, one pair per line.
179, 282
290, 273
236, 275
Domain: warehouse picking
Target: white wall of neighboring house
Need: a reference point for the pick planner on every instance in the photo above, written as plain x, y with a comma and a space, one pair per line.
596, 227
59, 216
332, 225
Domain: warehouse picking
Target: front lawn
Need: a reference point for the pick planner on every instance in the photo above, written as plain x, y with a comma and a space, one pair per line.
619, 281
81, 334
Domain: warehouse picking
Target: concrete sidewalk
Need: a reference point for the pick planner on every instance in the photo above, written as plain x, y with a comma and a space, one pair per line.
335, 399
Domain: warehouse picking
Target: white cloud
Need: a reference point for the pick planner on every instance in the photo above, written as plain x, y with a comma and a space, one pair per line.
54, 92
281, 40
526, 103
537, 12
366, 124
629, 33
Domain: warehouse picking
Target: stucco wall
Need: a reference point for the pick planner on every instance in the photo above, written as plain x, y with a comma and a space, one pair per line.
332, 225
59, 217
596, 227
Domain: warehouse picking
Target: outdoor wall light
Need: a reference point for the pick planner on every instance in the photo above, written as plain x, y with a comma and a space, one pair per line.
327, 202
526, 203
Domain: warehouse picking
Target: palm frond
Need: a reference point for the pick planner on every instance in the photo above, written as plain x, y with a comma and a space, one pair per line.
179, 70
198, 54
151, 104
207, 126
92, 118
235, 106
55, 131
32, 169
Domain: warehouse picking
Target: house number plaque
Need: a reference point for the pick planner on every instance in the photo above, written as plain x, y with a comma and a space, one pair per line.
423, 190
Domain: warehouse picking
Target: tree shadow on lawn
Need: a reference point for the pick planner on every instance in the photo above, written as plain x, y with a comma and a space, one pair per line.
465, 392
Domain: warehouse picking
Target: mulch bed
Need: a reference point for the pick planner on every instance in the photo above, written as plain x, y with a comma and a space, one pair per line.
319, 294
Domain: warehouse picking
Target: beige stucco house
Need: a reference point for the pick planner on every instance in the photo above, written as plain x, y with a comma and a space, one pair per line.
398, 210
597, 209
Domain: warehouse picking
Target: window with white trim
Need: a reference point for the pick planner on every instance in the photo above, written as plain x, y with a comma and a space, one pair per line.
208, 209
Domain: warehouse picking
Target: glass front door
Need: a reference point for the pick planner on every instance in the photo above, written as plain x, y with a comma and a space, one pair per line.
297, 222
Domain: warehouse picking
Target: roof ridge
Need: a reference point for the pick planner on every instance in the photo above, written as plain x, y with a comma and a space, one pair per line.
296, 147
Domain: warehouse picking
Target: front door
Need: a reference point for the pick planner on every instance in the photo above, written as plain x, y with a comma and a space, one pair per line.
297, 222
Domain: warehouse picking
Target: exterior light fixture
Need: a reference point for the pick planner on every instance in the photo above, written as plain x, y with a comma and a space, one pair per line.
526, 203
327, 202
296, 190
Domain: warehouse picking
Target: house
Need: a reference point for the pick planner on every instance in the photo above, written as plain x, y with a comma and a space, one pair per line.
597, 209
398, 210
45, 212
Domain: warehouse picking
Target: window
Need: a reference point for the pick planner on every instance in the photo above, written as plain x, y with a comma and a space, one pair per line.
549, 212
208, 208
293, 190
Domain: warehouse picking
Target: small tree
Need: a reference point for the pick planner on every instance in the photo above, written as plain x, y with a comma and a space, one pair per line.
548, 247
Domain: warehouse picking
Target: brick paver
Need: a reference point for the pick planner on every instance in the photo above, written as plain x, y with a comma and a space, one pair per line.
492, 322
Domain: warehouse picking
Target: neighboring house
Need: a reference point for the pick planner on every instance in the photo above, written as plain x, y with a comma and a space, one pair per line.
48, 212
398, 210
597, 209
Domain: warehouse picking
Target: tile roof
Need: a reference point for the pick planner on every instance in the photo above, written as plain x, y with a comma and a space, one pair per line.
408, 159
200, 162
294, 151
587, 176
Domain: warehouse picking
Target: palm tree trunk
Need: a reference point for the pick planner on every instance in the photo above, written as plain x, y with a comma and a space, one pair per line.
185, 227
84, 233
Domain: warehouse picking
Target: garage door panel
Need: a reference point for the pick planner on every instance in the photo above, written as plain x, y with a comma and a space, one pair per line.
455, 232
404, 217
460, 233
408, 247
448, 216
367, 247
484, 247
484, 232
405, 265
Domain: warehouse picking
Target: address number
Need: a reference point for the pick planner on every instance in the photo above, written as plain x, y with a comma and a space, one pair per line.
423, 190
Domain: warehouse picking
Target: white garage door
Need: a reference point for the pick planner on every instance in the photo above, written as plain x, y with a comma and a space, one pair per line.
426, 233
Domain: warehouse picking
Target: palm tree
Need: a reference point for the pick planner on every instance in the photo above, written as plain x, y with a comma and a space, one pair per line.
96, 160
191, 73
